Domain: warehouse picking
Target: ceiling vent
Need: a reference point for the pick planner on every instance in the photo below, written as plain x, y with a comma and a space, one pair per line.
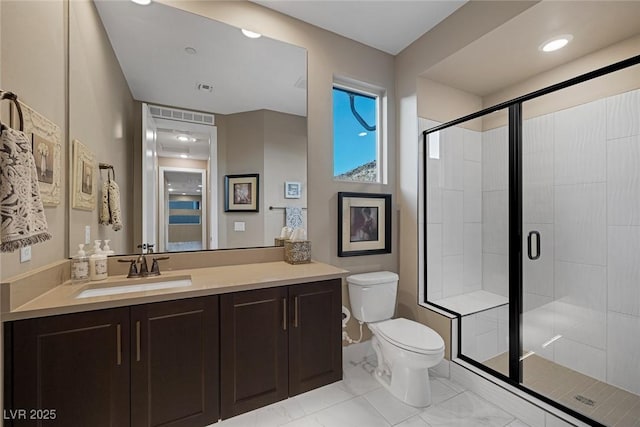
182, 115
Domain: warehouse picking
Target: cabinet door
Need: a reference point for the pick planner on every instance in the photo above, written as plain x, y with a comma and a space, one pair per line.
315, 342
174, 363
73, 368
253, 327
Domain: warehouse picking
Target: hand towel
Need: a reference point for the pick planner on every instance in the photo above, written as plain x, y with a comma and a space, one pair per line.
114, 205
23, 222
105, 217
293, 217
110, 213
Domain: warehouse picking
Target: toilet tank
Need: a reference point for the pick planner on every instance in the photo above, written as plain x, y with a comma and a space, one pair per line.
373, 295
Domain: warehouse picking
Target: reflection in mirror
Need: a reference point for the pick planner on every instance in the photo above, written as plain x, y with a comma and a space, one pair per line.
199, 96
183, 201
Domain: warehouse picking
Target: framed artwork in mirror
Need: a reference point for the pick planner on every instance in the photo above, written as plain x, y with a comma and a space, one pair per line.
241, 193
84, 177
46, 147
292, 190
364, 224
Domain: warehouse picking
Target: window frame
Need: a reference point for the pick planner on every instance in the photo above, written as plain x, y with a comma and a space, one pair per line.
379, 94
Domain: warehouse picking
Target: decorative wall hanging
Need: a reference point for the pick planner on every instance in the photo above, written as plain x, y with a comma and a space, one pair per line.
241, 193
364, 224
292, 190
84, 177
46, 140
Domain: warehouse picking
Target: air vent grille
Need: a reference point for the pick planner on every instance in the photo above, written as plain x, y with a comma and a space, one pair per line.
182, 115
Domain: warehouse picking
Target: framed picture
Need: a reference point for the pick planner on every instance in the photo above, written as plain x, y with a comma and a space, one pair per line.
46, 147
364, 224
292, 190
84, 177
241, 193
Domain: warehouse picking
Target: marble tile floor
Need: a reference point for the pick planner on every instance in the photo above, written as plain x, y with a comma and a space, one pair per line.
360, 401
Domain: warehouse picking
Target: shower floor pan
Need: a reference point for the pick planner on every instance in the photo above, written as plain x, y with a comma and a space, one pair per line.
600, 401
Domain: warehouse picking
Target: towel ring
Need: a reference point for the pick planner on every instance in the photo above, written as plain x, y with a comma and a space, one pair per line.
14, 98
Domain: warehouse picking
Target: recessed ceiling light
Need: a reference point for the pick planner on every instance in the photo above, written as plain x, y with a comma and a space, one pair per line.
184, 194
190, 50
142, 2
171, 189
251, 34
198, 190
362, 134
184, 156
199, 185
555, 43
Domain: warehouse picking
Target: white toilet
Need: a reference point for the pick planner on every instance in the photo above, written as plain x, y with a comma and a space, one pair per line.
405, 349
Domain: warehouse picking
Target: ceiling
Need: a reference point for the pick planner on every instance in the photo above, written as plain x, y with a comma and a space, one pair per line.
386, 25
183, 183
150, 41
509, 54
192, 145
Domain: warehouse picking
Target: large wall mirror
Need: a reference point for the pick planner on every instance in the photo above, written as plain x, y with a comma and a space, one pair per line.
175, 102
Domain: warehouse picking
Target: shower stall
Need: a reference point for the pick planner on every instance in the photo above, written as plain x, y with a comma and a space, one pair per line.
532, 240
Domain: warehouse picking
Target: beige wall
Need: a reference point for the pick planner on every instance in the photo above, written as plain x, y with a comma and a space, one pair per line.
612, 84
285, 159
274, 145
244, 154
442, 103
33, 65
100, 116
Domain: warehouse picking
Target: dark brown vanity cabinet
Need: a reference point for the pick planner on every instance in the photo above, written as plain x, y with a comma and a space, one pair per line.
182, 363
174, 363
278, 342
147, 365
70, 370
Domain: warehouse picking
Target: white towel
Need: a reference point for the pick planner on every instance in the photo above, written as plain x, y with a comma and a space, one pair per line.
110, 211
293, 217
21, 210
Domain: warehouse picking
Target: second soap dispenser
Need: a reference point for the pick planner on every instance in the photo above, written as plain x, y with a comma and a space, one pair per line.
97, 263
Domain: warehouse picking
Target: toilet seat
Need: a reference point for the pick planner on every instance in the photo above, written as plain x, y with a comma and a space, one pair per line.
411, 336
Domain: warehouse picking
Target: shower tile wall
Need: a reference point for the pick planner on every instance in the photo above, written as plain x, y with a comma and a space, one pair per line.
454, 212
581, 170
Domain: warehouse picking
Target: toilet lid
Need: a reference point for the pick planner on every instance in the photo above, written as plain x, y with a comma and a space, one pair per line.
411, 336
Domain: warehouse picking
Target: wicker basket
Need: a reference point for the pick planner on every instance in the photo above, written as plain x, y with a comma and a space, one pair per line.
298, 252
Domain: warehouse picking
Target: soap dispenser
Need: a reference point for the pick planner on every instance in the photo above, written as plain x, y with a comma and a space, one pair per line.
80, 266
97, 263
106, 249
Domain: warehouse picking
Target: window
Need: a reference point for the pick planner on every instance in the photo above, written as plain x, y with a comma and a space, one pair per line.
357, 147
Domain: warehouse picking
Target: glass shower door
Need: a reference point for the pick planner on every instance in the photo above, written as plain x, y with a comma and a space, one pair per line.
580, 229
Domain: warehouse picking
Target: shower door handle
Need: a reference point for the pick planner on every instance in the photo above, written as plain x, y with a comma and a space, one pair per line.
533, 235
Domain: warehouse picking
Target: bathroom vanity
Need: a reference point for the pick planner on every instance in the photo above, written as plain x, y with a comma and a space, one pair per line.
238, 338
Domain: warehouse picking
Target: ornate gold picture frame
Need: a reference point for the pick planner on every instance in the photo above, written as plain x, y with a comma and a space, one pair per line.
84, 177
46, 139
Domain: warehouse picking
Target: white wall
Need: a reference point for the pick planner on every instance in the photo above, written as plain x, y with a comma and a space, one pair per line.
454, 212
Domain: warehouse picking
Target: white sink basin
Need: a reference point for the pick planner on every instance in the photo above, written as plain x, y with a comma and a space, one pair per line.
124, 287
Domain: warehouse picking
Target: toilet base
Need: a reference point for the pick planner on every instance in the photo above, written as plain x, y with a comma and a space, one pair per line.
411, 388
410, 385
